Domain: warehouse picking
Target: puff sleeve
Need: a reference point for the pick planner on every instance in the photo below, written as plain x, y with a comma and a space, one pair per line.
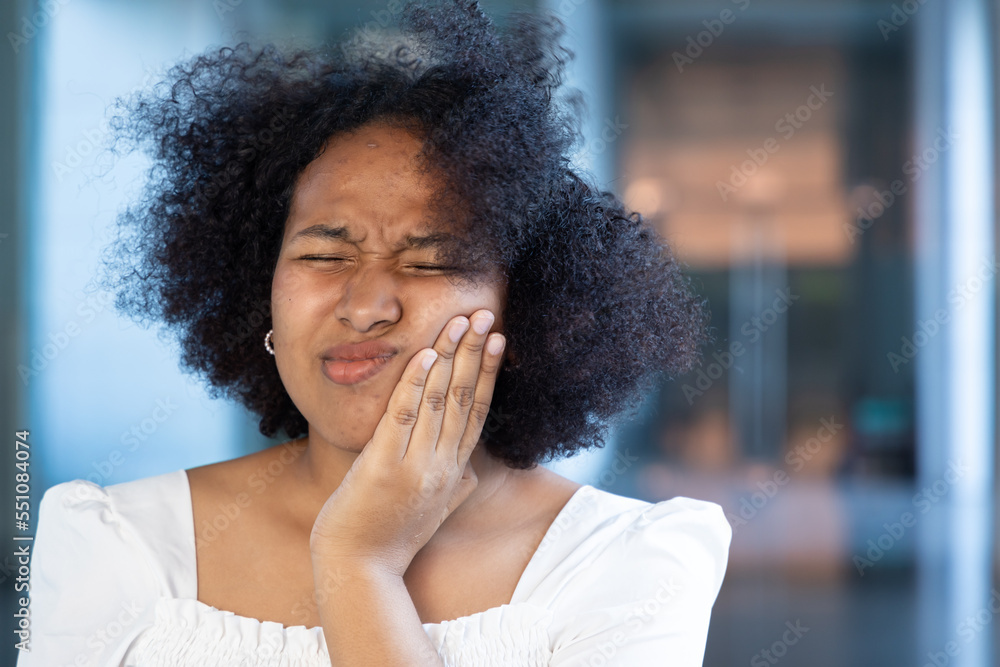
645, 597
91, 588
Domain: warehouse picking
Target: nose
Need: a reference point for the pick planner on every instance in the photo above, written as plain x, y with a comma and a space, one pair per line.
370, 299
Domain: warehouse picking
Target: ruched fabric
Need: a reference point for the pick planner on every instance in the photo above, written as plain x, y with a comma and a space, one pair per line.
615, 581
189, 632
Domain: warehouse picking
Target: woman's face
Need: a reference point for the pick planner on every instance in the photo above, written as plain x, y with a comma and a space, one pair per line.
346, 275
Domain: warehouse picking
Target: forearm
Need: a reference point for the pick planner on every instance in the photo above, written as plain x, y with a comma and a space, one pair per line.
368, 616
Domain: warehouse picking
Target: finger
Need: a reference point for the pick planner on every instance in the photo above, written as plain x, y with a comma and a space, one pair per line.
480, 409
431, 409
401, 413
464, 377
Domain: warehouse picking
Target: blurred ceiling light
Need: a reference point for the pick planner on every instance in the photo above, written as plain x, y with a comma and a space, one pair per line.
763, 190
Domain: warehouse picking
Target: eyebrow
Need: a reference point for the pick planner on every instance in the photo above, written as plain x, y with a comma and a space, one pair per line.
329, 233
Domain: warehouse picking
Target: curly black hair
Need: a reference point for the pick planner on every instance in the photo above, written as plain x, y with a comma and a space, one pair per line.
597, 306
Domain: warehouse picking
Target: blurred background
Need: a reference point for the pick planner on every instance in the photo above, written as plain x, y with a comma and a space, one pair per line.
824, 168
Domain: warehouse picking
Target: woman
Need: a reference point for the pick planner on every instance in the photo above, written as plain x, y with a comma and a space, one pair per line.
442, 304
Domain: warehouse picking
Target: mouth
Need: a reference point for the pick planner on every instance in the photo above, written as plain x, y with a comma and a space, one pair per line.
348, 372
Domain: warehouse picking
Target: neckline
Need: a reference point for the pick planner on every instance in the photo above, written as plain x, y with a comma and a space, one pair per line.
577, 495
543, 543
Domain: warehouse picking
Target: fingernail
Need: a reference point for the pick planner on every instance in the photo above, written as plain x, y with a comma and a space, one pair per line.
457, 329
482, 324
495, 345
429, 358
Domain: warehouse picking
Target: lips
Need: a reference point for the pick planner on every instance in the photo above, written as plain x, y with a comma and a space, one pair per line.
352, 372
369, 349
355, 362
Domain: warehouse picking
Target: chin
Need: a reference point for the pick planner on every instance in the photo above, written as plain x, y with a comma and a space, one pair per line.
353, 440
347, 414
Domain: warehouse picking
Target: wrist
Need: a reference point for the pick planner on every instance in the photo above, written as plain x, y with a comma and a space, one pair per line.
368, 567
340, 582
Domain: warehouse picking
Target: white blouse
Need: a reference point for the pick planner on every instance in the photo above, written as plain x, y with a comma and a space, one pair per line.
615, 581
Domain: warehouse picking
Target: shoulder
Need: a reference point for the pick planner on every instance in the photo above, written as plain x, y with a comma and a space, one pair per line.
101, 558
597, 532
141, 526
641, 577
690, 530
254, 472
690, 536
687, 542
81, 495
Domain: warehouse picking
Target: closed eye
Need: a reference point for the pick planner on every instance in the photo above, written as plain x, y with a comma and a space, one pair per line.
421, 267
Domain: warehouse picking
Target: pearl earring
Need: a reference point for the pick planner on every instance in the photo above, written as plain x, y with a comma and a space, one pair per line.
267, 343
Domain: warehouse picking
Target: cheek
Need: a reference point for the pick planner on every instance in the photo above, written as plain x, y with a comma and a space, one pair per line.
489, 297
290, 315
295, 294
294, 309
436, 310
285, 286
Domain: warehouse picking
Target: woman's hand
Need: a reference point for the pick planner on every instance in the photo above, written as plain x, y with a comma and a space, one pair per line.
415, 470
